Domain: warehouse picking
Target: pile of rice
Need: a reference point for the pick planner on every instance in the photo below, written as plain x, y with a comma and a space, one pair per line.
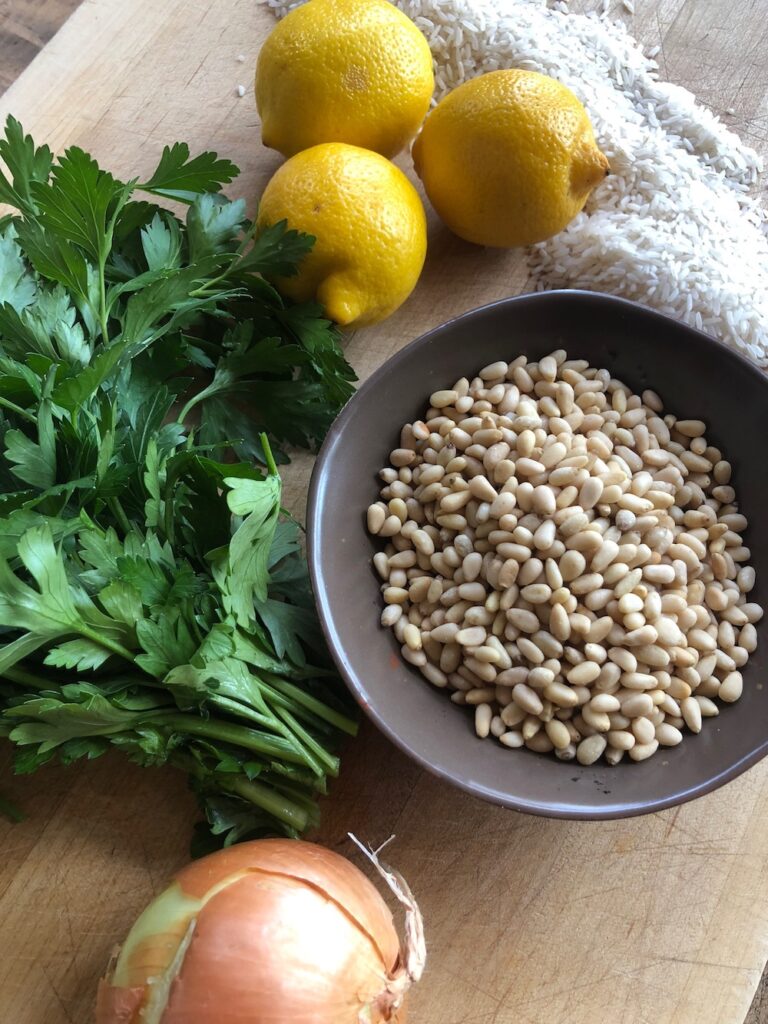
673, 226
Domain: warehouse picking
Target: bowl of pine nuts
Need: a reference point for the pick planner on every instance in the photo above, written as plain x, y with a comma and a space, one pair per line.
530, 543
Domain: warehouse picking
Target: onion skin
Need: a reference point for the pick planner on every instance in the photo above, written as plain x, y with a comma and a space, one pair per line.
280, 931
118, 1005
329, 871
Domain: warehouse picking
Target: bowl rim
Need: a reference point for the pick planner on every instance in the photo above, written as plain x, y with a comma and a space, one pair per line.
317, 576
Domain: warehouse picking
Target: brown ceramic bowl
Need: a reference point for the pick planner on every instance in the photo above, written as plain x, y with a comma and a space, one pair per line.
696, 377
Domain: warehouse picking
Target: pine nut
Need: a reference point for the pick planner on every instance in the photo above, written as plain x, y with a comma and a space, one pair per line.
473, 636
512, 739
412, 637
540, 743
583, 674
638, 705
558, 734
731, 687
691, 711
524, 620
690, 428
497, 727
561, 695
620, 739
442, 399
417, 658
597, 720
527, 699
483, 716
531, 726
642, 751
434, 675
748, 638
643, 730
536, 593
644, 635
572, 565
591, 492
708, 707
391, 614
630, 603
753, 612
590, 749
531, 651
605, 702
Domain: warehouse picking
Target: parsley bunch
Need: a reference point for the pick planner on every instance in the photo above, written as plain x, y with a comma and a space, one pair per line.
152, 595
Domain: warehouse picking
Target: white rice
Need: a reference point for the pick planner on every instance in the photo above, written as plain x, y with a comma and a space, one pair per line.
673, 225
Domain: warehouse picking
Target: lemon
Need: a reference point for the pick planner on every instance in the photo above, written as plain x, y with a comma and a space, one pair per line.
356, 71
508, 158
369, 226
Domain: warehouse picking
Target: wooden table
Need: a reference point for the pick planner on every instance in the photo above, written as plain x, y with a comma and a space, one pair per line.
662, 919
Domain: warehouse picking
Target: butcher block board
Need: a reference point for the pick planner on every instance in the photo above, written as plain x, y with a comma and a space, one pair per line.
655, 920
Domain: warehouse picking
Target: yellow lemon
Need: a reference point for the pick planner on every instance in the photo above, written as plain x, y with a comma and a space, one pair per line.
508, 158
369, 226
356, 71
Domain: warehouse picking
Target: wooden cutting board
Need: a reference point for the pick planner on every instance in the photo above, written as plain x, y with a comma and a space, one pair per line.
656, 920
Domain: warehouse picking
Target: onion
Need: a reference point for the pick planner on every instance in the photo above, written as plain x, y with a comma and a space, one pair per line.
269, 932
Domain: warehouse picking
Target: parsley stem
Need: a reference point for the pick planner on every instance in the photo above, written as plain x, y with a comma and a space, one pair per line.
227, 732
23, 678
268, 456
204, 290
189, 406
12, 407
269, 800
119, 513
104, 641
330, 763
103, 315
238, 709
311, 703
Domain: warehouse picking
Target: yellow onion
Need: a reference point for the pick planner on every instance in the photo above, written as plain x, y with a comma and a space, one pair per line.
269, 932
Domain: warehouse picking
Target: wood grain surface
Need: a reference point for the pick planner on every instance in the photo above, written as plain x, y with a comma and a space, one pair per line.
25, 28
661, 919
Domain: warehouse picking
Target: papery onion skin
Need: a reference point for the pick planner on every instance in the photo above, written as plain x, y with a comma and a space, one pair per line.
292, 933
118, 1005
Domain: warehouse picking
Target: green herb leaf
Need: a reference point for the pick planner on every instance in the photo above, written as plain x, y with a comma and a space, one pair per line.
289, 627
81, 655
84, 713
79, 201
26, 163
213, 224
277, 251
166, 643
17, 286
57, 332
179, 177
161, 242
57, 608
56, 259
34, 463
243, 574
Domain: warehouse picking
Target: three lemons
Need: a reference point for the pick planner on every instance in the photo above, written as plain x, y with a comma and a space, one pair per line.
506, 159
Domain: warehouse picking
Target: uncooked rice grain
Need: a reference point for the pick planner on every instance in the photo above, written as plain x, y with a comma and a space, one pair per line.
673, 225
